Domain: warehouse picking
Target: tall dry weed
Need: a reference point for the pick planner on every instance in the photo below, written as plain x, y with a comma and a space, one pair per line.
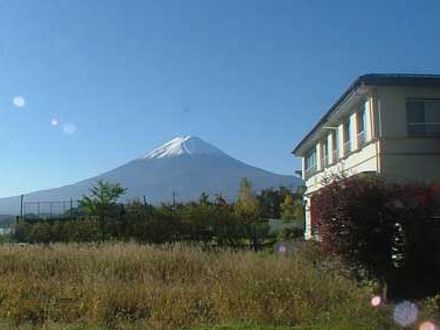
171, 287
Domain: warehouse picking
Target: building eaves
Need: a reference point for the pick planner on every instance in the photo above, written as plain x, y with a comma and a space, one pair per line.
375, 79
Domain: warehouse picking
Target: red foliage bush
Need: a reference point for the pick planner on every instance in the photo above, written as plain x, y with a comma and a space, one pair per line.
389, 230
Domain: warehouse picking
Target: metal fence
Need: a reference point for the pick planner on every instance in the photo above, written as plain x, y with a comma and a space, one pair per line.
50, 209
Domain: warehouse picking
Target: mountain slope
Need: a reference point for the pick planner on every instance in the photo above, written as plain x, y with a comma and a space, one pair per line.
186, 166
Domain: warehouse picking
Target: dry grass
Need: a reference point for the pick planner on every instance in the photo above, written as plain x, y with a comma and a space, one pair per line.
133, 286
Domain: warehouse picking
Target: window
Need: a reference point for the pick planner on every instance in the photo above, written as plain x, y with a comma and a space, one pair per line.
346, 137
310, 162
361, 121
423, 118
360, 117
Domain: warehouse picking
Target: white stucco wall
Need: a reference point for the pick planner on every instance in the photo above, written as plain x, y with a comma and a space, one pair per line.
365, 160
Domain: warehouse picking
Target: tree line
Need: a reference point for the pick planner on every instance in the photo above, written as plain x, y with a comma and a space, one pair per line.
209, 220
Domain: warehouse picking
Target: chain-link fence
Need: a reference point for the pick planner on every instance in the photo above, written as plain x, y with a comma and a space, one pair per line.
50, 209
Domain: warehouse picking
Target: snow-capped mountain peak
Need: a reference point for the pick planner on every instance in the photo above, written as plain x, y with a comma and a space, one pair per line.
173, 169
187, 145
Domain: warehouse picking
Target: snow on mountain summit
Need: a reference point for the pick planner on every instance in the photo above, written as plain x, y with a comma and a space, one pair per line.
183, 167
187, 145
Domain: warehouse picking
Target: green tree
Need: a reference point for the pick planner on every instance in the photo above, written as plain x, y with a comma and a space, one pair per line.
220, 200
270, 200
102, 203
204, 198
299, 204
288, 208
41, 232
23, 232
247, 206
102, 196
248, 211
198, 219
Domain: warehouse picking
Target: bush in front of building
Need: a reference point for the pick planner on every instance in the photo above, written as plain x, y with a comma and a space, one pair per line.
388, 231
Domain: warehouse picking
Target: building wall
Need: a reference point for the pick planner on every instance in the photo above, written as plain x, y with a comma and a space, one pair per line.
361, 158
389, 150
414, 168
365, 160
392, 108
406, 158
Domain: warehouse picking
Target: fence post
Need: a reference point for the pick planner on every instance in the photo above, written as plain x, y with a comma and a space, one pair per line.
21, 206
174, 200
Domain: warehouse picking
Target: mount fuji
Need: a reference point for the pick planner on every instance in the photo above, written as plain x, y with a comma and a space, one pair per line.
185, 166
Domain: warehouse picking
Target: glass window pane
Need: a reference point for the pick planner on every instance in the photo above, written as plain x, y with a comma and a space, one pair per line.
432, 112
347, 131
335, 140
361, 120
414, 129
415, 112
432, 118
311, 159
415, 116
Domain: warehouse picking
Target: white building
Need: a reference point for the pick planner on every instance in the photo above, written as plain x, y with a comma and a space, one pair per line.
383, 123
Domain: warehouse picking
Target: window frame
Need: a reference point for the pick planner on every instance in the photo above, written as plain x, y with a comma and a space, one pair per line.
346, 136
335, 146
361, 135
310, 169
424, 123
325, 152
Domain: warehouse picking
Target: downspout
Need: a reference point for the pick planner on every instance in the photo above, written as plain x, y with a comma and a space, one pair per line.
376, 105
379, 109
378, 145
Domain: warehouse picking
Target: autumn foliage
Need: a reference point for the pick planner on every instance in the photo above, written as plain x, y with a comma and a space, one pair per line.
390, 231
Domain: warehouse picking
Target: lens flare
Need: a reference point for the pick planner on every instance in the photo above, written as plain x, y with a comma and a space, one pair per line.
19, 101
281, 249
376, 301
69, 129
405, 313
428, 325
54, 122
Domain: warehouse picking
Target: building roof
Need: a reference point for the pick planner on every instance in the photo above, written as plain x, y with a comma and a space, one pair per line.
376, 79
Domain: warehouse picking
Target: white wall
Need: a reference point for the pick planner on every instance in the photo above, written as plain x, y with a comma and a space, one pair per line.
365, 160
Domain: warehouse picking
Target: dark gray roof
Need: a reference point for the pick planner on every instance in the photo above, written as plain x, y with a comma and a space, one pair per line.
377, 79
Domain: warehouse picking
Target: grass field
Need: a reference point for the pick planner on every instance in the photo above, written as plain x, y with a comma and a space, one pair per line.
129, 286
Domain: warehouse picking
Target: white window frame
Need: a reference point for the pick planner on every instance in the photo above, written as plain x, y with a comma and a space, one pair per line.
346, 136
310, 168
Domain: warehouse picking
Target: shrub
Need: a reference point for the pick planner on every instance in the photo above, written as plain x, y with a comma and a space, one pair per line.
389, 230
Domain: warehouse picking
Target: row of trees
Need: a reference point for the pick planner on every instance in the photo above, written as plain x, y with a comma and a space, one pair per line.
208, 220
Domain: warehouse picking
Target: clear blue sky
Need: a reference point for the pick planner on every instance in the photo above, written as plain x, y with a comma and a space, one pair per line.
249, 76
